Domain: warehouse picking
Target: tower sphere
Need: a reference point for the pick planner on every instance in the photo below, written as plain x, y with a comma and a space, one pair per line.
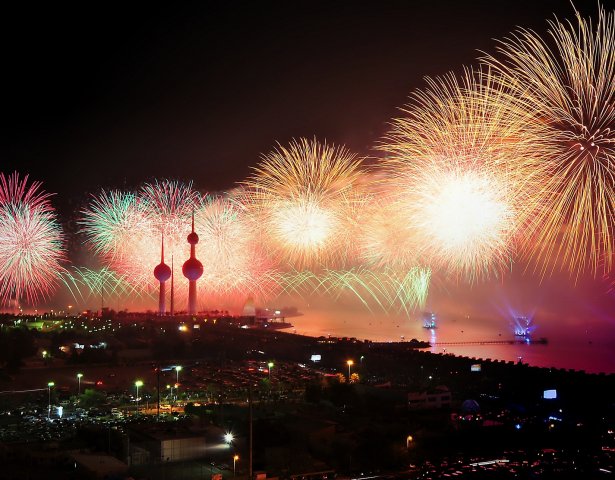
193, 238
162, 272
192, 269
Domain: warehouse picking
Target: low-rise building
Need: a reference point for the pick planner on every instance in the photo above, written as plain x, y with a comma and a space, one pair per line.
439, 397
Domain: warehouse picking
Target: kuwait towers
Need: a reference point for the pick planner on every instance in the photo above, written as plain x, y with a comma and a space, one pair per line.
162, 272
192, 270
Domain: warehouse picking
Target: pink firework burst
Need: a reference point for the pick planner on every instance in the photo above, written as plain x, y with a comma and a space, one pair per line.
31, 241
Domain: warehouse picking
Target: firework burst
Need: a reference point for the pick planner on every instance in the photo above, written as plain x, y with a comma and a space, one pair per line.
169, 204
568, 83
126, 228
463, 174
305, 197
235, 266
31, 251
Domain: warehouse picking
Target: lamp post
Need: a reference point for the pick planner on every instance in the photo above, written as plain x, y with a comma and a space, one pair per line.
178, 369
171, 400
350, 363
79, 375
49, 385
235, 458
270, 365
138, 384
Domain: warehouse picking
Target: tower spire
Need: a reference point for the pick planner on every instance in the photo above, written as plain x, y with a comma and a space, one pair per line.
172, 288
162, 250
162, 272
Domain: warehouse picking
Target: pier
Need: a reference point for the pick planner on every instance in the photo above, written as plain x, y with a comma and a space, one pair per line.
526, 341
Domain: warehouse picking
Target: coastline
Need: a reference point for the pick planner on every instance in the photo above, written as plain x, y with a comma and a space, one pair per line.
565, 349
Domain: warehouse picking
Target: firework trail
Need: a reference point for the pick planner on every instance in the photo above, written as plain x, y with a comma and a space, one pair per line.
568, 83
86, 284
305, 197
383, 289
463, 175
31, 242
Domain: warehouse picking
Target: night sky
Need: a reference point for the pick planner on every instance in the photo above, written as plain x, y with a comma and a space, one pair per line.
111, 96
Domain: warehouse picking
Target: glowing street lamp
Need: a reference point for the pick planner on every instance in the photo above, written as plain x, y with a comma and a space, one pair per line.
270, 365
350, 363
79, 375
178, 369
235, 458
138, 384
171, 401
409, 441
49, 385
229, 437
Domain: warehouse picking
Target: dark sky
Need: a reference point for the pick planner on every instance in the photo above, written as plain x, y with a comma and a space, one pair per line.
102, 95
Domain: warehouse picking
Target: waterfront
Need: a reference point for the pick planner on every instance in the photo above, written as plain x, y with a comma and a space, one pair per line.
588, 346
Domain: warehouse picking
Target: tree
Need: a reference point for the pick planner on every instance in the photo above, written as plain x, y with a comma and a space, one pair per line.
92, 398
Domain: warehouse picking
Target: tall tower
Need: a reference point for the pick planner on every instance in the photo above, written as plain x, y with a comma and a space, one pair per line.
192, 270
172, 287
162, 272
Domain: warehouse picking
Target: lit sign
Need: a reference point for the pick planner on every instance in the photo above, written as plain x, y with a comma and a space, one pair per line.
549, 394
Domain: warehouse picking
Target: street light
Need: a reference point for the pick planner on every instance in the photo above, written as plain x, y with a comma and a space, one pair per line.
178, 369
350, 363
270, 365
235, 458
79, 375
409, 441
138, 384
229, 437
171, 401
49, 385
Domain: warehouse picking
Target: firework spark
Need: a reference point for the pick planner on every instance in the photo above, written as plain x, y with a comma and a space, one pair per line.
568, 83
31, 250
